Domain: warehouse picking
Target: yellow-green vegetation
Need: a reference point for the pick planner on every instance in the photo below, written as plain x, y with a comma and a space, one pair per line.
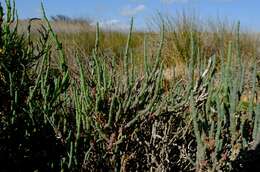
109, 114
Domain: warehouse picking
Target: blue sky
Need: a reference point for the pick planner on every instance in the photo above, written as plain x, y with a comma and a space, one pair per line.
118, 12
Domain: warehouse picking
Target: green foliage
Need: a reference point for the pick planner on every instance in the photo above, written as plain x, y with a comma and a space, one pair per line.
105, 120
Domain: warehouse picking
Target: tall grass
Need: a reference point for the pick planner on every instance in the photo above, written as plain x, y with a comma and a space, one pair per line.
210, 37
99, 119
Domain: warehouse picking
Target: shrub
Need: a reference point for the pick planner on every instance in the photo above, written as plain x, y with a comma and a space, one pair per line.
100, 119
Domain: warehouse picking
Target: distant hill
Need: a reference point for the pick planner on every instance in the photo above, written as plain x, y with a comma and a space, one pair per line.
58, 25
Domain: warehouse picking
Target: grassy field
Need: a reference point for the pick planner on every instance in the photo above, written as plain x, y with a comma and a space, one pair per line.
185, 98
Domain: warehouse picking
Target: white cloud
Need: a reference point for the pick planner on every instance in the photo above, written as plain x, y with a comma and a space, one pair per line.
111, 22
136, 0
131, 11
174, 1
114, 24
